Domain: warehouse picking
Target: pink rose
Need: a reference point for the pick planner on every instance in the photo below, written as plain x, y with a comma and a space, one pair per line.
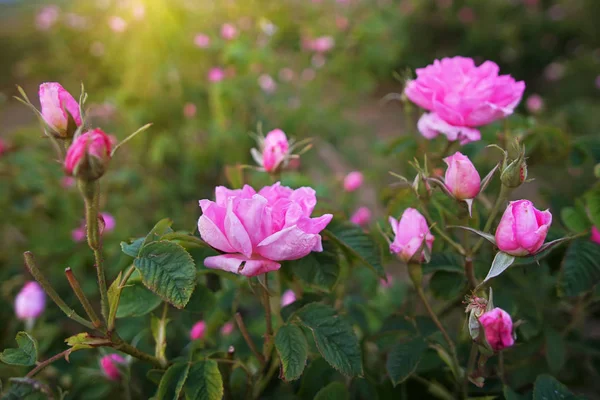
89, 155
110, 366
498, 328
267, 83
522, 229
361, 217
228, 32
30, 301
78, 234
257, 230
462, 179
462, 97
57, 104
595, 237
201, 40
275, 150
411, 230
198, 330
216, 75
534, 103
288, 297
227, 328
353, 181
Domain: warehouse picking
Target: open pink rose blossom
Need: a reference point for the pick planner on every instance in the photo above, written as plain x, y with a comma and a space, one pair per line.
410, 233
110, 366
498, 328
461, 97
258, 230
57, 104
522, 229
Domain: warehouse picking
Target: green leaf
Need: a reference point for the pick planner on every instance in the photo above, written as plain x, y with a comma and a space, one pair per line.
292, 347
168, 270
548, 388
132, 249
85, 341
161, 228
289, 311
25, 354
334, 338
171, 384
333, 391
27, 389
357, 244
136, 300
490, 238
114, 297
574, 219
202, 301
555, 350
510, 394
446, 285
581, 268
319, 270
185, 239
449, 262
592, 202
204, 381
501, 262
404, 359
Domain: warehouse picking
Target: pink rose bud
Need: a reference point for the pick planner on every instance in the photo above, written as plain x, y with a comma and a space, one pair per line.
89, 155
201, 40
216, 75
522, 229
275, 150
189, 110
110, 366
462, 179
198, 330
498, 328
410, 232
534, 103
58, 107
228, 32
288, 297
353, 181
227, 328
109, 222
441, 87
30, 301
78, 234
361, 217
595, 237
258, 230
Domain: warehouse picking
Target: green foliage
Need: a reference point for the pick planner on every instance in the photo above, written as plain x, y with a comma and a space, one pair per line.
136, 300
25, 354
333, 391
404, 359
581, 268
318, 270
292, 347
548, 388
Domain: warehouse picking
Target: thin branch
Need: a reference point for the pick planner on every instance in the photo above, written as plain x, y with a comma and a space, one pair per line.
248, 339
87, 306
49, 361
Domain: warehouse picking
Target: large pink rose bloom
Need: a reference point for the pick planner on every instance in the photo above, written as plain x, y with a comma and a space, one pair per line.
462, 97
258, 230
410, 232
522, 229
498, 328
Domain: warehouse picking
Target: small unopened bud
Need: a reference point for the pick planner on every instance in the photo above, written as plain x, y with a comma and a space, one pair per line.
498, 327
30, 302
198, 330
89, 155
110, 366
60, 110
514, 167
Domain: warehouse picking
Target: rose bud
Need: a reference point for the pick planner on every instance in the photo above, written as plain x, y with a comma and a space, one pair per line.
30, 302
361, 217
59, 110
227, 328
256, 231
89, 155
522, 229
410, 232
110, 366
353, 181
595, 237
462, 179
498, 328
288, 297
275, 150
198, 330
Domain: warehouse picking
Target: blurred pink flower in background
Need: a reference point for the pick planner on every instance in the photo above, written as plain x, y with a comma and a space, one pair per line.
410, 233
78, 234
47, 17
595, 237
201, 40
198, 330
109, 365
267, 84
286, 74
216, 74
189, 110
76, 21
228, 31
308, 74
288, 297
534, 103
353, 181
466, 15
67, 182
103, 111
444, 3
318, 60
258, 230
522, 229
117, 24
139, 12
341, 22
461, 97
498, 328
3, 147
30, 302
227, 328
361, 217
321, 44
389, 283
554, 71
